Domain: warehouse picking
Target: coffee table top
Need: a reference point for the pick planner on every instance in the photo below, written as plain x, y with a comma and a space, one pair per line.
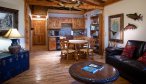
107, 74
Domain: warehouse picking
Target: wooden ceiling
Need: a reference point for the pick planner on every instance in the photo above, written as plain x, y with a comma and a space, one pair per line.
74, 5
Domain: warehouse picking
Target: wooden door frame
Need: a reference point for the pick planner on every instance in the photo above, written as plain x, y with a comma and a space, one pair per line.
27, 28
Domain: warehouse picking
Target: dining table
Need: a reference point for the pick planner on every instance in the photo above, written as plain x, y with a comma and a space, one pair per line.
77, 43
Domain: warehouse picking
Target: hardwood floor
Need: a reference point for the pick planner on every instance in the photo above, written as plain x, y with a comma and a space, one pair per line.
46, 67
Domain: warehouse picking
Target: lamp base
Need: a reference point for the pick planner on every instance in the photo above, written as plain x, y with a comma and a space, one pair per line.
14, 49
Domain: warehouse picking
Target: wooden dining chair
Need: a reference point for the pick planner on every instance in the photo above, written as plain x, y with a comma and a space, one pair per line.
89, 47
85, 48
92, 42
65, 48
79, 37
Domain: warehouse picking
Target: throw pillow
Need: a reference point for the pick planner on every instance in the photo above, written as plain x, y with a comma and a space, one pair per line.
142, 58
128, 51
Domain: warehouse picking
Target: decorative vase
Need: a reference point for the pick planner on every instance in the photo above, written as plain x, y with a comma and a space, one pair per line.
14, 49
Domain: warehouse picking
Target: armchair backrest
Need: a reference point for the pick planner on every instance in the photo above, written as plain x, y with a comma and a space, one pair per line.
144, 48
139, 47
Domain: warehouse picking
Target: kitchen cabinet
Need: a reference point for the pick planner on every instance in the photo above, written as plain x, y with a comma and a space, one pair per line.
78, 23
54, 23
65, 20
52, 43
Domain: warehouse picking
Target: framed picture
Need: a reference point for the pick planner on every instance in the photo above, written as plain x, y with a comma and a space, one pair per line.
116, 25
8, 19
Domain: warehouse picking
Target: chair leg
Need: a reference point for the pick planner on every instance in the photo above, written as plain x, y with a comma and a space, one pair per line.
67, 56
92, 55
76, 56
61, 55
87, 53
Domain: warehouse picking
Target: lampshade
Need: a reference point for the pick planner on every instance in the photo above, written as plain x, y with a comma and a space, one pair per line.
13, 34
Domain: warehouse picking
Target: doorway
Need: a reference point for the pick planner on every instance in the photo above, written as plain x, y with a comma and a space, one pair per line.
38, 35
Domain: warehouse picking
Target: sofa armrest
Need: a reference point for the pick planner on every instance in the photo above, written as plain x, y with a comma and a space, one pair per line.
111, 51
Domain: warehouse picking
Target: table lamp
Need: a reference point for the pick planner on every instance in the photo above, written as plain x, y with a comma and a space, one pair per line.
13, 34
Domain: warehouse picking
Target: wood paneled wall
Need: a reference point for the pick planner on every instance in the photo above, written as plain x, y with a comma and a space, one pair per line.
39, 10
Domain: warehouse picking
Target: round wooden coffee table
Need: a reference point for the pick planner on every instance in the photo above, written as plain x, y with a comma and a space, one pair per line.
107, 74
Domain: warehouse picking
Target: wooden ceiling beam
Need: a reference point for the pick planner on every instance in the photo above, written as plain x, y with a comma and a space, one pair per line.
90, 7
91, 2
65, 11
42, 3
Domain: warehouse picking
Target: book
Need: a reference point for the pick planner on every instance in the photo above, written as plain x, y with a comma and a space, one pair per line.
92, 68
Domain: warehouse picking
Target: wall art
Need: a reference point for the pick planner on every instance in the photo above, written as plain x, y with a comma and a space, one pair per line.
116, 25
8, 19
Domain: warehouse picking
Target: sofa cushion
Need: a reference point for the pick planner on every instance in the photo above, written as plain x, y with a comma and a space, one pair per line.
142, 58
118, 57
128, 51
136, 64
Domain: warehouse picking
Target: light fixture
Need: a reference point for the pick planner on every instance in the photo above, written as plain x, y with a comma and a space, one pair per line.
13, 34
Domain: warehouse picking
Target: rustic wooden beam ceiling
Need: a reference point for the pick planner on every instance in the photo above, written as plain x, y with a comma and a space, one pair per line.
76, 5
55, 4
